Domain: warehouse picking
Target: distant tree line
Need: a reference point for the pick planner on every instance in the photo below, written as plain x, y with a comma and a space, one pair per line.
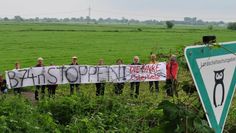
187, 21
232, 26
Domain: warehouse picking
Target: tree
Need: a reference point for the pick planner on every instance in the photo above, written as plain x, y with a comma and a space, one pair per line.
124, 20
232, 26
169, 24
36, 19
18, 18
6, 19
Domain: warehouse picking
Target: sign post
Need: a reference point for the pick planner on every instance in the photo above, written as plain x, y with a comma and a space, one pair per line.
213, 69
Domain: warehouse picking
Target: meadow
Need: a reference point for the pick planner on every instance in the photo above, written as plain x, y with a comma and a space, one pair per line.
57, 43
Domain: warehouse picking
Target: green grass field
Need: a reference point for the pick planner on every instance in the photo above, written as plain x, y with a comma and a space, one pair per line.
25, 42
59, 42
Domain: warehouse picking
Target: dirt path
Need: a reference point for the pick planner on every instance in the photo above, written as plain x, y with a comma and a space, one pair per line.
29, 96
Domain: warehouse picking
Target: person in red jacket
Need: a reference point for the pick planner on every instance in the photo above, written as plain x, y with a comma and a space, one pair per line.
3, 84
171, 76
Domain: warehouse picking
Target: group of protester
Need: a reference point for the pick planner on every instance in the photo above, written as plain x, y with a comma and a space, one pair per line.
171, 78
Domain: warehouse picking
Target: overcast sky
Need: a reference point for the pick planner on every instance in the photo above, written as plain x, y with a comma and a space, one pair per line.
138, 9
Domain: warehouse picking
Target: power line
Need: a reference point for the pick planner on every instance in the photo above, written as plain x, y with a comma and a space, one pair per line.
89, 14
89, 9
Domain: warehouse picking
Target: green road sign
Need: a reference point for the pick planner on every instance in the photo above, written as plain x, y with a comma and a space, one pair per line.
213, 69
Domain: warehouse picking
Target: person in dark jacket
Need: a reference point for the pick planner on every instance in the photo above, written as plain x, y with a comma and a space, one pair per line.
171, 76
52, 88
151, 88
100, 87
72, 86
3, 84
135, 85
119, 86
39, 64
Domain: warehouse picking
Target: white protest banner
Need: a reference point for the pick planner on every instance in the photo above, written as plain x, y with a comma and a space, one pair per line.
82, 74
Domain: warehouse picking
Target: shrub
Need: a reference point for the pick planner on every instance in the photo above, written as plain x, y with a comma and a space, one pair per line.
181, 118
18, 115
169, 24
210, 27
139, 29
232, 26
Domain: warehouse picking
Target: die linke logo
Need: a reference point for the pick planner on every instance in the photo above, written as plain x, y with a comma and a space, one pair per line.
219, 86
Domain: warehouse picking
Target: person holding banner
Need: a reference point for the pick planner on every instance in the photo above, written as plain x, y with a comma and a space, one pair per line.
17, 90
119, 86
135, 84
52, 88
3, 84
40, 64
153, 61
100, 87
72, 86
171, 76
